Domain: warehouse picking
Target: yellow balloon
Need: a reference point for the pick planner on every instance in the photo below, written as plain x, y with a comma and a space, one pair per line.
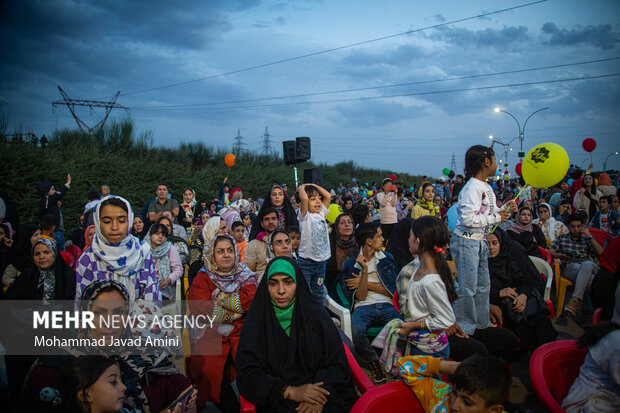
545, 165
334, 211
369, 193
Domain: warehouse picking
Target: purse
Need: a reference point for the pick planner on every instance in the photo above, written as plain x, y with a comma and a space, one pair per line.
509, 314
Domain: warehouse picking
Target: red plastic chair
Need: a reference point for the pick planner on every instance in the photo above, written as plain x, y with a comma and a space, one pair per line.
553, 369
395, 301
360, 380
546, 255
600, 236
394, 397
68, 258
596, 317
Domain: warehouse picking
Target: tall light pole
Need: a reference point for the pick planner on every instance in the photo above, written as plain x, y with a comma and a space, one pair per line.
521, 130
605, 163
505, 145
584, 161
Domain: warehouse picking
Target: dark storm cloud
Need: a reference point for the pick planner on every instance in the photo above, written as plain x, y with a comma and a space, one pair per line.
440, 18
511, 38
374, 113
600, 36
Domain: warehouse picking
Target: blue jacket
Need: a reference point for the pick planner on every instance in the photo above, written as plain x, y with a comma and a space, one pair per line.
612, 216
386, 269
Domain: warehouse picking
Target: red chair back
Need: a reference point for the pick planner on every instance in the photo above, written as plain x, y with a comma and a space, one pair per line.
68, 258
553, 369
394, 397
395, 301
600, 236
596, 317
546, 255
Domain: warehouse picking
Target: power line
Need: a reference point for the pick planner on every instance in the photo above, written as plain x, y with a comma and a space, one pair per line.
290, 59
425, 93
190, 105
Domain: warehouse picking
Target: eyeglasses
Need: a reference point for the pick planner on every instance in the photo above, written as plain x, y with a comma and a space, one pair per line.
282, 241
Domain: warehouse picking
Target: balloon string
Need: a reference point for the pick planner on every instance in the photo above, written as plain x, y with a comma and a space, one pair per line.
508, 209
229, 169
591, 161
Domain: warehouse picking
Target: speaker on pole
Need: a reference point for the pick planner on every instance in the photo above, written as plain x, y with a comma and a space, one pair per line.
313, 176
302, 149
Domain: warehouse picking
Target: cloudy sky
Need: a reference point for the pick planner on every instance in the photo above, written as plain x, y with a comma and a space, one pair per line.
398, 84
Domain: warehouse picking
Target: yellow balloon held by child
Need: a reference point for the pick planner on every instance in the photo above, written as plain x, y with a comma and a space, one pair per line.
334, 211
545, 165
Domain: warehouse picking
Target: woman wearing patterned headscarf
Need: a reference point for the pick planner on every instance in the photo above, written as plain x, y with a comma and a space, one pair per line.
116, 254
223, 290
48, 278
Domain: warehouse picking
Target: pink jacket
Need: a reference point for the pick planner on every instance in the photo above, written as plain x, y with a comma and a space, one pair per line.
387, 202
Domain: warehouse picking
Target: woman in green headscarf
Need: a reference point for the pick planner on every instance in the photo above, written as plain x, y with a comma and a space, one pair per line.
290, 354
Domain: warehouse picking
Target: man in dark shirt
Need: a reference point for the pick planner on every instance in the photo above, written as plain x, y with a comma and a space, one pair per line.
162, 203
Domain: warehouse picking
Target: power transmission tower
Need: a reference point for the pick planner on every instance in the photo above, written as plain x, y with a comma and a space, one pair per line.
267, 149
239, 145
72, 103
453, 164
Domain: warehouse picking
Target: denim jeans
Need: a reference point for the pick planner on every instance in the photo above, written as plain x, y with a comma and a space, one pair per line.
59, 237
471, 308
364, 317
314, 271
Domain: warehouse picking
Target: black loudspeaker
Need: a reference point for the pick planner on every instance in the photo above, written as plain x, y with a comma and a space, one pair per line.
289, 152
302, 149
313, 176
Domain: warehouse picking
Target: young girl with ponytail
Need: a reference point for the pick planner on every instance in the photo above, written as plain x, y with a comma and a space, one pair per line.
431, 290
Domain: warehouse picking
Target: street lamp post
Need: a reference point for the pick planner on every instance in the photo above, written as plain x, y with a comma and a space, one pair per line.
605, 163
584, 161
505, 145
521, 130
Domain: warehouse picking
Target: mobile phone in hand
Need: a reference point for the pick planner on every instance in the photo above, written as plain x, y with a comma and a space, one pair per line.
181, 399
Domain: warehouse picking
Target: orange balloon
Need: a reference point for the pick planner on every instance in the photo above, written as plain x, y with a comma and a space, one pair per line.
229, 160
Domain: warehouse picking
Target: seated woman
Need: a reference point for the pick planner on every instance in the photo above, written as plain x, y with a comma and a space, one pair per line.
222, 290
89, 234
151, 379
167, 261
375, 215
343, 246
116, 254
515, 289
529, 236
20, 253
549, 226
278, 245
212, 227
277, 200
290, 355
597, 389
139, 229
425, 205
179, 243
48, 278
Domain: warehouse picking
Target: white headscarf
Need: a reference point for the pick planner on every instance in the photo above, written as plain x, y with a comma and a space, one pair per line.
551, 228
124, 258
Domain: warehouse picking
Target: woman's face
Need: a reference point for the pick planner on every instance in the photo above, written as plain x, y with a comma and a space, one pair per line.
167, 224
113, 222
345, 227
247, 221
282, 289
277, 197
414, 243
35, 237
437, 200
281, 244
109, 307
204, 217
188, 196
348, 204
43, 257
370, 205
213, 207
587, 180
91, 235
224, 255
429, 192
525, 217
563, 209
157, 238
223, 228
107, 394
543, 213
494, 245
138, 225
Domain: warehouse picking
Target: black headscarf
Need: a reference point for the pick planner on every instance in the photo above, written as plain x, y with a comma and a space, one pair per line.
512, 268
268, 360
286, 210
398, 244
332, 271
20, 255
28, 286
145, 227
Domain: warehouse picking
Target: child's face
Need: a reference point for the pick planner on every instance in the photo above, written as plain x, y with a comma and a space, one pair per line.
157, 238
52, 191
295, 240
314, 203
604, 205
461, 402
238, 233
107, 394
543, 214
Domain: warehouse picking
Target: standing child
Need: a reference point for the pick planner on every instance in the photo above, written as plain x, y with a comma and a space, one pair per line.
314, 248
238, 232
477, 214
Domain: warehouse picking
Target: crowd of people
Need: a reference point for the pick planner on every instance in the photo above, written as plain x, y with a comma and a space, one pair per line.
425, 297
